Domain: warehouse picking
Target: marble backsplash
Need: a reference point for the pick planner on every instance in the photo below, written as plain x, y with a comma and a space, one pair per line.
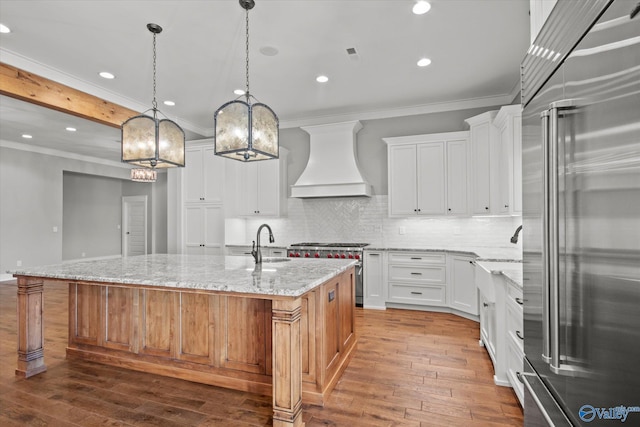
361, 219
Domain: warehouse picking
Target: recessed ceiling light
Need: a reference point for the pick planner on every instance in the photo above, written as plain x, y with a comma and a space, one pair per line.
424, 62
421, 7
169, 103
322, 79
106, 75
4, 29
238, 92
71, 129
26, 136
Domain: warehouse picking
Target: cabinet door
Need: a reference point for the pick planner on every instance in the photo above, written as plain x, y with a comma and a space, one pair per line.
193, 175
213, 235
268, 186
402, 180
481, 161
204, 229
213, 175
464, 294
456, 177
431, 178
517, 164
374, 290
194, 230
506, 170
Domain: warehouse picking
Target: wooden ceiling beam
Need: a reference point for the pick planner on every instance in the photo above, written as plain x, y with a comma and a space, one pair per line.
28, 87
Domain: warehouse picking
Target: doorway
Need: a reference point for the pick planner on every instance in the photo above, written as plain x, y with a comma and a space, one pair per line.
134, 225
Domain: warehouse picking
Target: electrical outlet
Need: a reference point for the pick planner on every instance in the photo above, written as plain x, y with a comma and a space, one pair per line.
402, 230
118, 226
55, 229
19, 263
84, 254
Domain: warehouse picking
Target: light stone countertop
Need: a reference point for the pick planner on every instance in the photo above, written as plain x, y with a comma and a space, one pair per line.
484, 253
511, 270
237, 274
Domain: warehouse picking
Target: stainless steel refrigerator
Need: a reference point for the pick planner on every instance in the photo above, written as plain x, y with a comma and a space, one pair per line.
581, 216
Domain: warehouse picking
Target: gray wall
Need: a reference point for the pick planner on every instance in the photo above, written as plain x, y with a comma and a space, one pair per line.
32, 203
371, 149
91, 216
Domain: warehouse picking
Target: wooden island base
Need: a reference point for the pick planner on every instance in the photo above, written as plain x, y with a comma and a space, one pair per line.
294, 349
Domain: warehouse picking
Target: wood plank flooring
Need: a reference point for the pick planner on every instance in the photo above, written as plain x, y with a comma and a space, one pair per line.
411, 368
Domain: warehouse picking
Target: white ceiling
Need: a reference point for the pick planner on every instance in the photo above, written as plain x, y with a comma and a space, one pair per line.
476, 47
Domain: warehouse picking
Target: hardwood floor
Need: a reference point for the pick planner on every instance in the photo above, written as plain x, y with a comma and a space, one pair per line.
410, 369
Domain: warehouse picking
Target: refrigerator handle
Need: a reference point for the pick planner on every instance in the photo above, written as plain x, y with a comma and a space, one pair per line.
546, 356
552, 238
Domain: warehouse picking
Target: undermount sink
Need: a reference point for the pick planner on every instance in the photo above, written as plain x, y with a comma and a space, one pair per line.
488, 272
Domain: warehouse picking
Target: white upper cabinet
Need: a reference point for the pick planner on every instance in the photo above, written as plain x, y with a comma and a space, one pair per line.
203, 175
263, 190
428, 174
483, 141
539, 11
496, 162
508, 122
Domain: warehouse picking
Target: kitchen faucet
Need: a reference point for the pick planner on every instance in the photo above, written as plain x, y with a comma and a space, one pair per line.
255, 249
514, 238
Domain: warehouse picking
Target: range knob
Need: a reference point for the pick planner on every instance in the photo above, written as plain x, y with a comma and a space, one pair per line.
357, 256
307, 255
297, 254
343, 256
292, 254
350, 256
329, 255
317, 255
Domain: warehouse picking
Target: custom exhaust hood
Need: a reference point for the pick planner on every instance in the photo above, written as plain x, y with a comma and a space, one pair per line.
332, 170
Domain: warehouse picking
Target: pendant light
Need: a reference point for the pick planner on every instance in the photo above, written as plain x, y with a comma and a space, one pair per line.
244, 130
148, 141
144, 175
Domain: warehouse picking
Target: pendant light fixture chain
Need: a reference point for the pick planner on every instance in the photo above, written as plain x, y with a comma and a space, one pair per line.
154, 103
247, 50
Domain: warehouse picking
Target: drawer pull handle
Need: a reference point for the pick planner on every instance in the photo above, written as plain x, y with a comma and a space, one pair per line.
416, 293
519, 335
519, 376
519, 301
416, 258
484, 304
417, 274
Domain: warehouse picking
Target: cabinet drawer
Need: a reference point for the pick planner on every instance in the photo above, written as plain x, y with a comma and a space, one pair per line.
423, 295
514, 324
515, 293
417, 258
421, 274
515, 365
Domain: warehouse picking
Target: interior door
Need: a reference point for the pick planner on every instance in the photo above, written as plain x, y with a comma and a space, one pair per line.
134, 230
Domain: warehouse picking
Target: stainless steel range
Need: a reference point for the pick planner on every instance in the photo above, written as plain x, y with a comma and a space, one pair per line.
335, 251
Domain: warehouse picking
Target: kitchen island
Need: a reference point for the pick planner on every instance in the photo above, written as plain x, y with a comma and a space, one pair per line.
283, 328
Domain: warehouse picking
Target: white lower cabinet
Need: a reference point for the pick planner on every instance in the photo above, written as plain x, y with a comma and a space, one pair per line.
463, 294
515, 339
501, 328
418, 278
204, 229
374, 285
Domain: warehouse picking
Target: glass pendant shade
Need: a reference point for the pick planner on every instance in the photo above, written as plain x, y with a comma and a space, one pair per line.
152, 143
246, 132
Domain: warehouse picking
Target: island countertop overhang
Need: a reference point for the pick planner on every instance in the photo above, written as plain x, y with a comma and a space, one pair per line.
283, 277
